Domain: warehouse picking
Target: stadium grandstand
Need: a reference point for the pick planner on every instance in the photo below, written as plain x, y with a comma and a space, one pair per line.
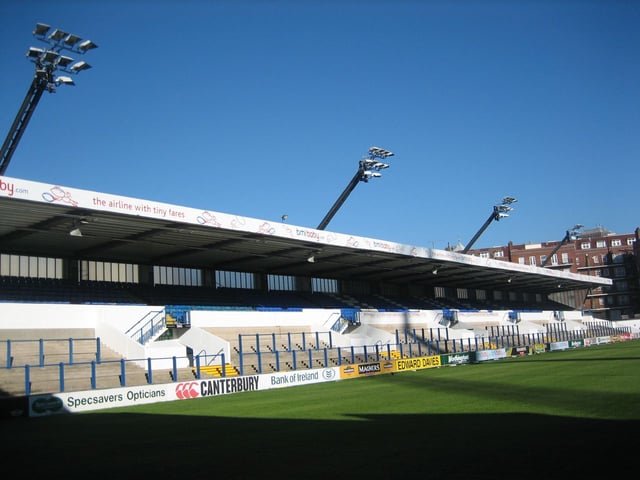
102, 291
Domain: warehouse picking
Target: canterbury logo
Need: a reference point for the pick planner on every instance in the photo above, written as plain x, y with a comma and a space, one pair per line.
187, 390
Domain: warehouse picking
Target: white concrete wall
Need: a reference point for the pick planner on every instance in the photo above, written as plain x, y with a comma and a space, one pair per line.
571, 315
484, 316
203, 342
248, 318
111, 321
56, 315
528, 327
163, 352
413, 317
544, 316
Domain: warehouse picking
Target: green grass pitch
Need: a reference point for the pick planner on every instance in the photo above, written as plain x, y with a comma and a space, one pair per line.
564, 415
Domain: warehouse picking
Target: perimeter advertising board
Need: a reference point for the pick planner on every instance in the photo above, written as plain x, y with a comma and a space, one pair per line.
576, 343
484, 355
554, 346
597, 341
366, 369
389, 366
538, 348
519, 351
72, 402
461, 358
418, 363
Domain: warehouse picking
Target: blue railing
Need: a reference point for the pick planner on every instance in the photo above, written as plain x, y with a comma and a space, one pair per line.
145, 328
99, 375
409, 343
45, 349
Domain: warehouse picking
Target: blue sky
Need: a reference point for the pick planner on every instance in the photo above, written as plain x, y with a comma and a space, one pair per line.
264, 108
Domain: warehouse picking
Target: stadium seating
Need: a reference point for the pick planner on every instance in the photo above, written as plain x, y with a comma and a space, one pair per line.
27, 289
252, 350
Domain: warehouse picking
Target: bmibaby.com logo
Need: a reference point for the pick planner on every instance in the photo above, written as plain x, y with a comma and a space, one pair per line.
7, 187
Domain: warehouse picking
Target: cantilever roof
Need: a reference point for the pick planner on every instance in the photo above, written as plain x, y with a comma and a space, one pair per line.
35, 220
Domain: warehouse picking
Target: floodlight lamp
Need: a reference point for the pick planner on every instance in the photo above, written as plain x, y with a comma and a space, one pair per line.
366, 175
380, 165
57, 35
504, 208
41, 29
64, 61
578, 226
35, 52
86, 45
50, 56
64, 80
502, 215
71, 39
380, 152
75, 232
79, 66
509, 200
574, 233
311, 259
376, 174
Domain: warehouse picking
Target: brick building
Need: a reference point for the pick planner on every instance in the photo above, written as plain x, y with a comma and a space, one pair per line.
597, 252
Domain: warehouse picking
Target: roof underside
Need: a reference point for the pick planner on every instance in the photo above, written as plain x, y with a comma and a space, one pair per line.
42, 229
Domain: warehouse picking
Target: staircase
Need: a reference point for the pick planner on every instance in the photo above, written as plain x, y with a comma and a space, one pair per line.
394, 355
170, 321
216, 370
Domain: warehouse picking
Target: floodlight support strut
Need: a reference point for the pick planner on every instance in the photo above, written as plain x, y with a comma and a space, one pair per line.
498, 212
555, 250
486, 224
570, 235
368, 168
46, 64
341, 199
38, 85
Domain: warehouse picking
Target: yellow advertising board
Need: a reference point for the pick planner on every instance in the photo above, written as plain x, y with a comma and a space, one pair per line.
418, 363
366, 369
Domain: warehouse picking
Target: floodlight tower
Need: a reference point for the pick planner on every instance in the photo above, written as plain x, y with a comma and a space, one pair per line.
499, 211
368, 167
572, 234
47, 62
